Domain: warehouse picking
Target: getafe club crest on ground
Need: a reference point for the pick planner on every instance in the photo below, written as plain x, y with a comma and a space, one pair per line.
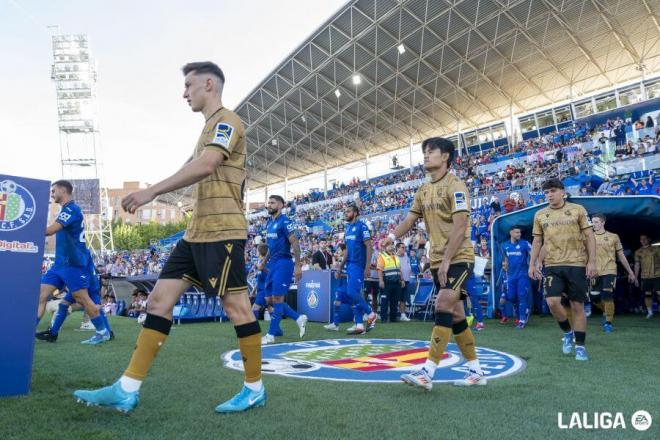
16, 206
370, 360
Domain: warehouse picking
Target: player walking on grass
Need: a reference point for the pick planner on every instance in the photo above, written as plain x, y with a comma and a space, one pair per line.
94, 291
260, 302
357, 262
563, 229
444, 205
282, 242
516, 261
647, 268
211, 253
73, 268
608, 248
341, 294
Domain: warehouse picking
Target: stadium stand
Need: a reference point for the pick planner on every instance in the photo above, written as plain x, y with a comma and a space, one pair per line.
593, 156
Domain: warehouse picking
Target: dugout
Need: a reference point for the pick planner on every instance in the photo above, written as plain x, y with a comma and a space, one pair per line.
627, 216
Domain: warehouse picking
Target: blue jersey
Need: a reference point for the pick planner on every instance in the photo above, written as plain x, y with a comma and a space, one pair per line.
70, 247
518, 256
261, 279
414, 265
356, 251
644, 190
277, 236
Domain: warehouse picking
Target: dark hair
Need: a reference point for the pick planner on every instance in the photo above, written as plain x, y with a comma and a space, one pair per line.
262, 249
600, 216
442, 144
552, 183
400, 244
64, 184
342, 246
278, 198
354, 207
204, 67
514, 227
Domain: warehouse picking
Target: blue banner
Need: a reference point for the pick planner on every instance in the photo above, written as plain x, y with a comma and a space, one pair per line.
315, 295
23, 216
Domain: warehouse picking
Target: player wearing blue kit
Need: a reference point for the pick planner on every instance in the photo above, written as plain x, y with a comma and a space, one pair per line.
341, 294
282, 240
357, 261
62, 313
260, 301
516, 263
72, 261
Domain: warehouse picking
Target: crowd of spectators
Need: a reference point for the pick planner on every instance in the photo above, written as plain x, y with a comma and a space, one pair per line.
134, 263
384, 200
571, 152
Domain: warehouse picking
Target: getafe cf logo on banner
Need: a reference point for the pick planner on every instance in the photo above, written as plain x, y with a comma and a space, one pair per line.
370, 360
16, 206
312, 299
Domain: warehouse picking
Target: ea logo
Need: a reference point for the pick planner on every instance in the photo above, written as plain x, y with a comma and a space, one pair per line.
312, 299
641, 420
16, 206
370, 360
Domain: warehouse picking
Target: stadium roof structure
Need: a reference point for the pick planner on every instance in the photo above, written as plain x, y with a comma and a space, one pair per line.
382, 73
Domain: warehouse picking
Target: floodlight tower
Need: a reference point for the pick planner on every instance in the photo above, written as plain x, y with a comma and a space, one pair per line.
74, 74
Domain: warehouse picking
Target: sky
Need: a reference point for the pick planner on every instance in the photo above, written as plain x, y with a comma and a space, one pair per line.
146, 128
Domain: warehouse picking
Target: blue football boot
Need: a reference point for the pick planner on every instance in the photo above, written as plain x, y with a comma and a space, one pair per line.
244, 400
581, 354
98, 338
110, 397
567, 343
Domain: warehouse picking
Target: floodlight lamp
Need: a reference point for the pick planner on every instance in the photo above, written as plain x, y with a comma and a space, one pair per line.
401, 48
337, 93
357, 79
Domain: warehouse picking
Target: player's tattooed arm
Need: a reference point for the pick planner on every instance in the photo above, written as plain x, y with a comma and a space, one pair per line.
341, 265
370, 249
295, 248
53, 229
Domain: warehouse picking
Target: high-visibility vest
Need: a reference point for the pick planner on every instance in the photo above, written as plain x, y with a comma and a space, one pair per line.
391, 267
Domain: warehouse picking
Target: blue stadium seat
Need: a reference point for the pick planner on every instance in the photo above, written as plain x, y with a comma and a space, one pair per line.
219, 312
210, 307
423, 299
177, 313
201, 311
480, 287
194, 308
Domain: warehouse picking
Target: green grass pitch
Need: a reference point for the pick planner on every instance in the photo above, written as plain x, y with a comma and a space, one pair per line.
188, 380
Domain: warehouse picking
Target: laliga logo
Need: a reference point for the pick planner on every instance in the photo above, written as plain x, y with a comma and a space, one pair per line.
312, 299
640, 420
16, 206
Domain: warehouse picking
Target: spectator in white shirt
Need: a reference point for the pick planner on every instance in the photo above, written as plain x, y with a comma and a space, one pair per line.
406, 273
